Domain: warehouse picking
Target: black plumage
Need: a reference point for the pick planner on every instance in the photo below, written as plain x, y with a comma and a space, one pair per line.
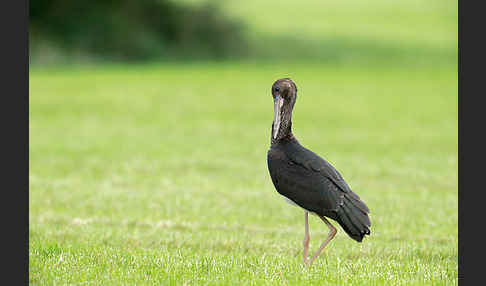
307, 179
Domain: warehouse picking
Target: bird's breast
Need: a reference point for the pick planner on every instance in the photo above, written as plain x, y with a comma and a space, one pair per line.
289, 201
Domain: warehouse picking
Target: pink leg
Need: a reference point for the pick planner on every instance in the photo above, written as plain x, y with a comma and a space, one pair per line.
306, 237
330, 236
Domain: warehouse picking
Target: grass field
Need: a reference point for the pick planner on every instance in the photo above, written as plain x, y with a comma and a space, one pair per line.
163, 179
156, 174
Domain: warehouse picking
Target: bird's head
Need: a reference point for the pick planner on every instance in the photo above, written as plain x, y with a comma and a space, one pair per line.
284, 92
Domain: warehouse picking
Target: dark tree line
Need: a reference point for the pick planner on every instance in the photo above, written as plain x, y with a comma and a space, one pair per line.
136, 30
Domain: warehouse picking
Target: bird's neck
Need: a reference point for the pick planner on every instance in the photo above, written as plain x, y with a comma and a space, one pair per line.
285, 131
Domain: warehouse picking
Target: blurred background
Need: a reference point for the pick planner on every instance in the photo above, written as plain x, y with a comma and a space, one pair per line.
324, 31
149, 124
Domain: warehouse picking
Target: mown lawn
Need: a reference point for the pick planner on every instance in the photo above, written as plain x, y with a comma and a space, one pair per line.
157, 174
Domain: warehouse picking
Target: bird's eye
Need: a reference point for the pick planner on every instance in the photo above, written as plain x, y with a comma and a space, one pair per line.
277, 89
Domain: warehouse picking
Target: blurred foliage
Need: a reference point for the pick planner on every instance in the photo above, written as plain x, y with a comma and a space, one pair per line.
132, 30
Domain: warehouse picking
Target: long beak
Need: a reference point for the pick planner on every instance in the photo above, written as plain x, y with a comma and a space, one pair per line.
277, 105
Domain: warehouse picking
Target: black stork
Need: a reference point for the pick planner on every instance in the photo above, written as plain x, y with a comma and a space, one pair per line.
307, 180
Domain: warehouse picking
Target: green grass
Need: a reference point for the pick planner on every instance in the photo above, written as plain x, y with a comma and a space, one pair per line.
157, 175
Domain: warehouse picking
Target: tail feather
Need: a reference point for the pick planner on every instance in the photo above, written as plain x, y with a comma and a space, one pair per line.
357, 217
353, 219
357, 213
347, 225
359, 204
